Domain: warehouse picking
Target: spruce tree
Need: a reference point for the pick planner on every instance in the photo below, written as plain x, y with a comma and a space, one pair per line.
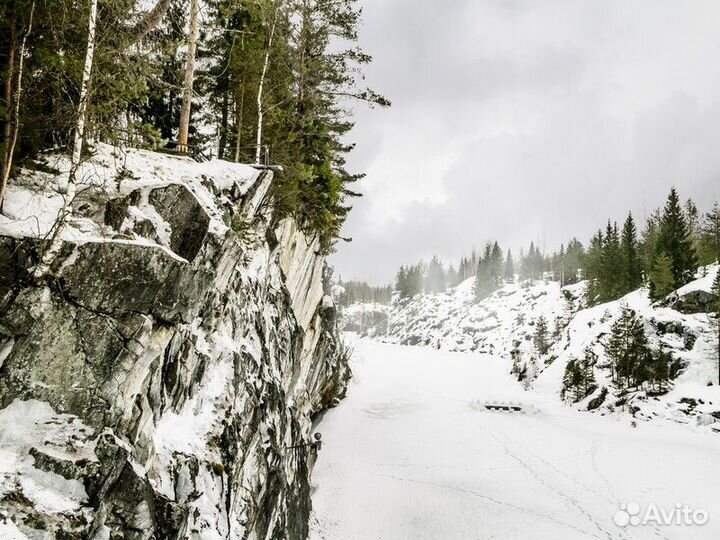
632, 278
435, 276
593, 268
610, 277
627, 348
674, 240
541, 338
574, 260
579, 378
662, 280
509, 267
648, 242
710, 236
660, 369
496, 263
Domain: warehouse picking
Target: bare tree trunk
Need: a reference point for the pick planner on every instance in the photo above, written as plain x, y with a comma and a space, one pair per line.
266, 62
189, 76
12, 141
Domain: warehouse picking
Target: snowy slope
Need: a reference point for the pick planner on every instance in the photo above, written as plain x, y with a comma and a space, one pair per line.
505, 323
694, 397
454, 321
408, 455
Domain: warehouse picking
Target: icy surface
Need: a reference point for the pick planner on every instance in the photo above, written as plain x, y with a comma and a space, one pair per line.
411, 454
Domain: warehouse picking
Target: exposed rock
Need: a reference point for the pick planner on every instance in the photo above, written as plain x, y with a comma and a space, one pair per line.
176, 204
595, 402
193, 362
693, 302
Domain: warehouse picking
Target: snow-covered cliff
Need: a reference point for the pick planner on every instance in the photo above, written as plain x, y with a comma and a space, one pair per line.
161, 379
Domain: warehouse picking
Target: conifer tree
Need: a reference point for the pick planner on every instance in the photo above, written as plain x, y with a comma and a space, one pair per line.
574, 260
710, 236
674, 240
630, 257
660, 369
509, 267
593, 268
579, 378
648, 243
496, 263
611, 275
662, 279
435, 276
627, 348
541, 339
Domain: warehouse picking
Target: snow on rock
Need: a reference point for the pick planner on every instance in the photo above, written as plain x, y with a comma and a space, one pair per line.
505, 324
689, 338
113, 176
498, 324
152, 382
365, 318
42, 454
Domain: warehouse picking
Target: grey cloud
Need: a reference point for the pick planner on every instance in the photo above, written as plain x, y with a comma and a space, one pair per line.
557, 116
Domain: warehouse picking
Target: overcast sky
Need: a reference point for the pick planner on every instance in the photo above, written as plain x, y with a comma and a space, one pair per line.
523, 120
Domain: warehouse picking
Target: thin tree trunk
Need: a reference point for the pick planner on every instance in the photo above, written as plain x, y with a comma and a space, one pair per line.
189, 76
12, 142
8, 94
239, 121
68, 186
79, 134
222, 142
261, 112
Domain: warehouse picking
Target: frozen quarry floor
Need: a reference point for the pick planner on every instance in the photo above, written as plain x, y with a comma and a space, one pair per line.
412, 454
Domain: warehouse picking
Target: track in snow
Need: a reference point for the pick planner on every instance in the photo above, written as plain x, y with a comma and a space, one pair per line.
409, 456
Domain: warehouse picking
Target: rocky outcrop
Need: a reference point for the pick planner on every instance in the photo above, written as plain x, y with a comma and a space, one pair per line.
162, 378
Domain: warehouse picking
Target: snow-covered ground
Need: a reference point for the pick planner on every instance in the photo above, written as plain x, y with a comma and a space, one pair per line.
412, 454
505, 324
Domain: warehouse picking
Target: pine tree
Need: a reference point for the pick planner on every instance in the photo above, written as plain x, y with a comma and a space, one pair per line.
692, 217
674, 240
710, 236
662, 279
579, 378
627, 348
648, 243
631, 269
435, 276
593, 268
574, 260
496, 263
610, 277
542, 343
509, 267
660, 369
401, 283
